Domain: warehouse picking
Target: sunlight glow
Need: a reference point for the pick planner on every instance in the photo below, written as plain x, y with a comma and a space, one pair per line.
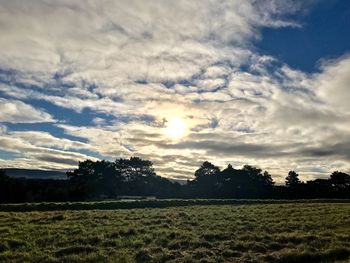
175, 128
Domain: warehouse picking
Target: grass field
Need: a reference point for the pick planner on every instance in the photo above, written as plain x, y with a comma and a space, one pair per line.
278, 232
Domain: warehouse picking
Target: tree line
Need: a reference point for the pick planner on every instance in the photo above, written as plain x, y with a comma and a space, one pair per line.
94, 180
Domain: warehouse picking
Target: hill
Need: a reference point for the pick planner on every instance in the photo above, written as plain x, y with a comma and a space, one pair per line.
35, 173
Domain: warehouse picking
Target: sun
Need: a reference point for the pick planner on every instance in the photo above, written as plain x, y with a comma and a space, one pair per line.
175, 128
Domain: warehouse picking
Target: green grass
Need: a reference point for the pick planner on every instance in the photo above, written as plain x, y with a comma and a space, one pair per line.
159, 203
277, 232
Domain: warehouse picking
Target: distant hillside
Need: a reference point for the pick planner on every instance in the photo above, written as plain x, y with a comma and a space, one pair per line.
35, 173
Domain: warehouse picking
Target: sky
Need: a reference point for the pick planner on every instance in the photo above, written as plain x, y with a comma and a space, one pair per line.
265, 83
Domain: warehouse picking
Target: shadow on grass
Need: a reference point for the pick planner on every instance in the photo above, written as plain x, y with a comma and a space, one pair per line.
328, 256
161, 203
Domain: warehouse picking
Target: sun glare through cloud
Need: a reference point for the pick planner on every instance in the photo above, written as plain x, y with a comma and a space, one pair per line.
175, 128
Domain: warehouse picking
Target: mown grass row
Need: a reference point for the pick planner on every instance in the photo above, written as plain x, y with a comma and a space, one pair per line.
160, 203
284, 232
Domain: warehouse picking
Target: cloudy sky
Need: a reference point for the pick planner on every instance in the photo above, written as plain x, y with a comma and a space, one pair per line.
265, 83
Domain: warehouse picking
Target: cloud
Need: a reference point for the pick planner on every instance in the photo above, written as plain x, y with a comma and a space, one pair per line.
16, 111
333, 83
94, 40
45, 139
108, 141
136, 64
41, 150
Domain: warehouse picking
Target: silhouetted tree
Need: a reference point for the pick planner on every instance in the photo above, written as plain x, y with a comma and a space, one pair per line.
292, 179
134, 168
3, 176
340, 183
205, 183
249, 182
104, 179
232, 182
318, 188
95, 179
260, 183
340, 179
206, 169
135, 176
4, 186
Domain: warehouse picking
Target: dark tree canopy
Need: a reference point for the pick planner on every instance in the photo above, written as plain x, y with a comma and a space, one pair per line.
292, 179
134, 168
248, 182
340, 179
206, 169
103, 179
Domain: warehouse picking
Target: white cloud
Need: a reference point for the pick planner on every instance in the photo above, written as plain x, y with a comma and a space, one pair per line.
41, 150
163, 40
143, 62
333, 84
108, 141
15, 111
45, 139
